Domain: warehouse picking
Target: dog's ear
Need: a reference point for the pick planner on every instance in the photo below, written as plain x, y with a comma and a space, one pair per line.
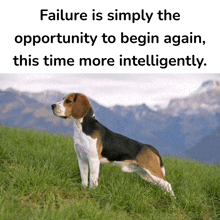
81, 106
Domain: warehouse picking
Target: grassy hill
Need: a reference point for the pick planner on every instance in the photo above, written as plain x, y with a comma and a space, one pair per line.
40, 179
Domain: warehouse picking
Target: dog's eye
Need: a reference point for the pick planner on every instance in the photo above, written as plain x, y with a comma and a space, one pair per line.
68, 101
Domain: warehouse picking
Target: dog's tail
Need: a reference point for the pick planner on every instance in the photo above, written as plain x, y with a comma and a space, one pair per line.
161, 164
163, 170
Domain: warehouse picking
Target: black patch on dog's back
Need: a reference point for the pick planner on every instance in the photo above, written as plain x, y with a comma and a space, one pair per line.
115, 147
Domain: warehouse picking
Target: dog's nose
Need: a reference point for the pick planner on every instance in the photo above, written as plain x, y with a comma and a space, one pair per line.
53, 106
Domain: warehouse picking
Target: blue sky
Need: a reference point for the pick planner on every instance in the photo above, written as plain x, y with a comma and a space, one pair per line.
112, 89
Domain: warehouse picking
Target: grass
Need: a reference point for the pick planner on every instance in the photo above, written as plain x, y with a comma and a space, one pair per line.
40, 179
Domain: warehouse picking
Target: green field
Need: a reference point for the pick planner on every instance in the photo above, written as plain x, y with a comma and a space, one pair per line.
40, 179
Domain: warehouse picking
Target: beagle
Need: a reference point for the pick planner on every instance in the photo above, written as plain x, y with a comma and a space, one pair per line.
95, 144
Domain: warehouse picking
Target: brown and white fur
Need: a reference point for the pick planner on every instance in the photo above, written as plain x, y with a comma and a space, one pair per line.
95, 144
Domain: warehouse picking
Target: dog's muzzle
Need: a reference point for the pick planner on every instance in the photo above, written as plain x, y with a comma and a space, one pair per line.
53, 106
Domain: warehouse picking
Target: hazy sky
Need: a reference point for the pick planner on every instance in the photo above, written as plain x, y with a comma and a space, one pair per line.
112, 89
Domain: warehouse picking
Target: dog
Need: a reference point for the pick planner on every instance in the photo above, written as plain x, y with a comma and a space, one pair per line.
95, 144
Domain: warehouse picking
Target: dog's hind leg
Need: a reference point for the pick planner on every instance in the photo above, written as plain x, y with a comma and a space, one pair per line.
146, 175
151, 168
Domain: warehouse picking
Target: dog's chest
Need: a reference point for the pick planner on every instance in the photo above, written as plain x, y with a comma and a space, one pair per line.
85, 146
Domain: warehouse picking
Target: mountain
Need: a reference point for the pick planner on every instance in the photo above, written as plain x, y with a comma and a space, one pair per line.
32, 110
45, 97
204, 100
18, 109
173, 130
208, 149
185, 121
199, 113
209, 85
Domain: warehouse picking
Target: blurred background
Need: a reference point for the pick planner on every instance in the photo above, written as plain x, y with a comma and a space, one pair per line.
179, 114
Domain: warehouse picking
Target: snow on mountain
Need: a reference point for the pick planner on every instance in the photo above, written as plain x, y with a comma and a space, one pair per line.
46, 97
136, 111
209, 85
204, 100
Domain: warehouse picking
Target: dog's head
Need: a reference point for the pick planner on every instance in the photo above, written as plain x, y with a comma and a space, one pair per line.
74, 104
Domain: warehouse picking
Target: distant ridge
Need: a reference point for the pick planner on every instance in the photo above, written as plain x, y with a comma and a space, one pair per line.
173, 130
208, 149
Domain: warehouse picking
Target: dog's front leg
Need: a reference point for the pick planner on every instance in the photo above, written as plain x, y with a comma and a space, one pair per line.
83, 166
94, 165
